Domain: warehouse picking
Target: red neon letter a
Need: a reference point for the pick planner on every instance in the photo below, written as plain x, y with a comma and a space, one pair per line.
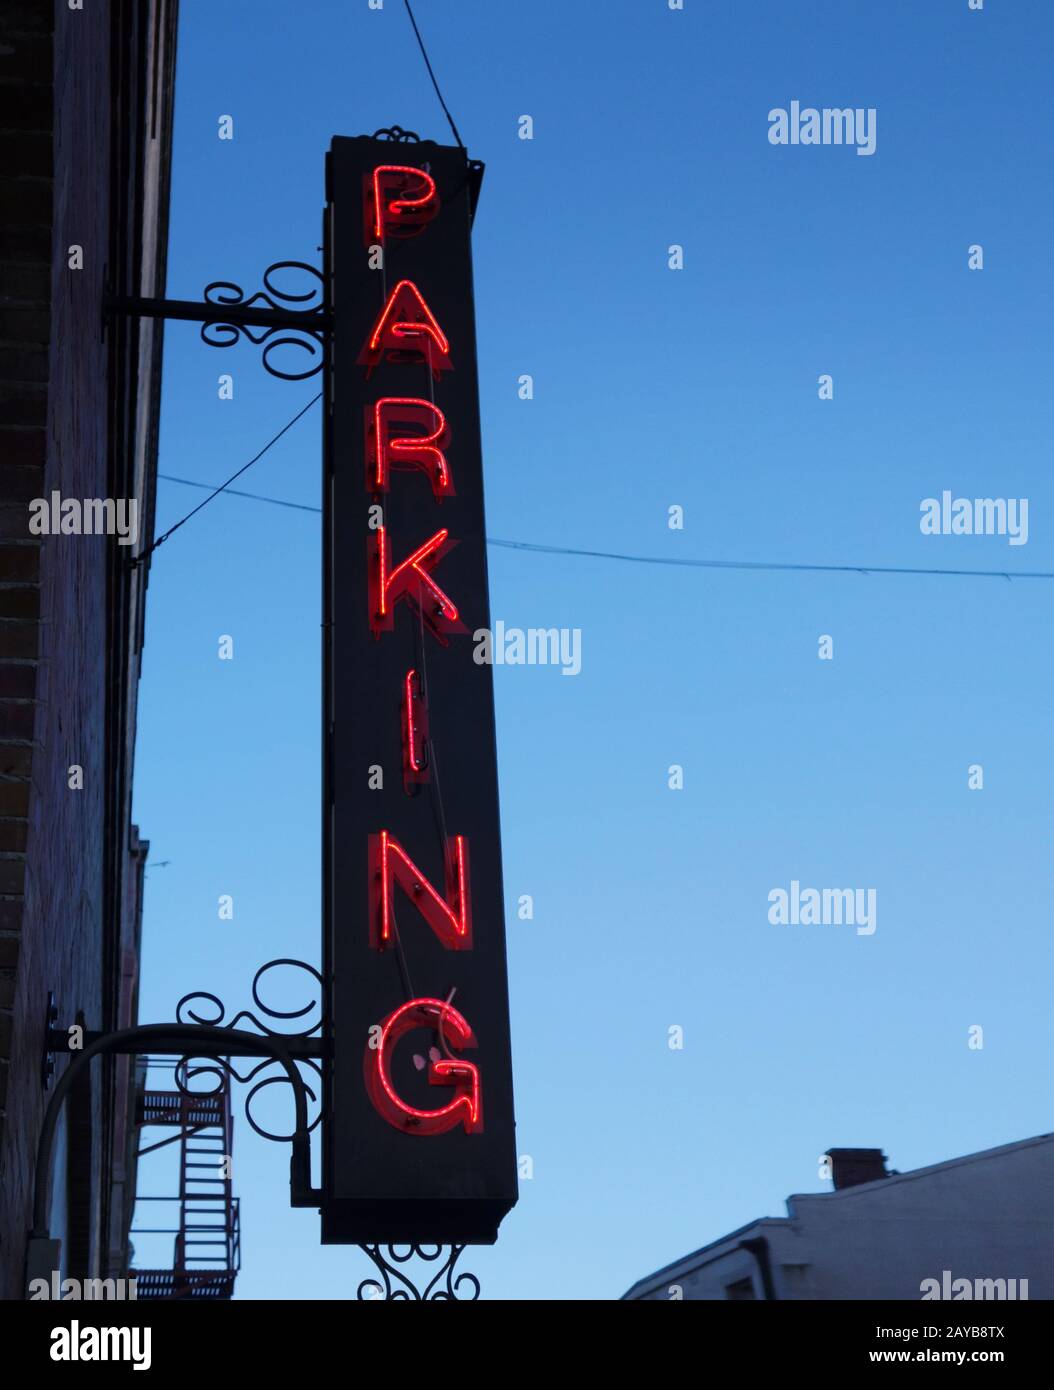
406, 331
450, 917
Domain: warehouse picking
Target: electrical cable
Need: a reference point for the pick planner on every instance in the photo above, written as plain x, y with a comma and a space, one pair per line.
431, 74
765, 564
138, 559
400, 956
668, 559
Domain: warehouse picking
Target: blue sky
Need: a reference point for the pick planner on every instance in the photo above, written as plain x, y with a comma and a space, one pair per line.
654, 388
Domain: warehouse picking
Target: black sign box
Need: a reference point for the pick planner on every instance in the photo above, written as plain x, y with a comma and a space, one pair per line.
382, 1182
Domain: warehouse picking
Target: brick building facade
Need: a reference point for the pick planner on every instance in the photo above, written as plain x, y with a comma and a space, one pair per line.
85, 136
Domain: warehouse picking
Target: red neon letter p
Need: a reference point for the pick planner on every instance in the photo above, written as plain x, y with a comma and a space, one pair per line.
403, 200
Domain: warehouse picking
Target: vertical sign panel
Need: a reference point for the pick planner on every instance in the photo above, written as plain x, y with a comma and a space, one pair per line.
419, 1139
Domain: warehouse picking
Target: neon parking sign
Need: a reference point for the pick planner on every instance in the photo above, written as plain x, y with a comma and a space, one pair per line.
418, 1142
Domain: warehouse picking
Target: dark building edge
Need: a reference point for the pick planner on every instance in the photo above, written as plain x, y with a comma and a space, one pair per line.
86, 107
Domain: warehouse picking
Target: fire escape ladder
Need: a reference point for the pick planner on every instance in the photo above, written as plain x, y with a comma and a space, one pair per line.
206, 1252
205, 1196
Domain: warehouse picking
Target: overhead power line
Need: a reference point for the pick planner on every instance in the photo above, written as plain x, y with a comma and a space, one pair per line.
237, 492
768, 564
431, 74
138, 559
540, 549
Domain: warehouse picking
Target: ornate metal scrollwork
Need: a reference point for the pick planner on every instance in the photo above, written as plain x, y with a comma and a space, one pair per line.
190, 1066
306, 306
398, 1287
396, 132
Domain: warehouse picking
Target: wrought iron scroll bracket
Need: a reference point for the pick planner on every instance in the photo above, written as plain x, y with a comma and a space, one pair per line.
207, 1038
41, 1250
273, 318
306, 1049
396, 133
193, 1039
396, 1286
201, 1015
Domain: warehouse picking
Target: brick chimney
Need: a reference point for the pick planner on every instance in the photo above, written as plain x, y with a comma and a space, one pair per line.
851, 1167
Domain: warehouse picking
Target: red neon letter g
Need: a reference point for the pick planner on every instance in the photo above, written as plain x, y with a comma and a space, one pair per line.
467, 1106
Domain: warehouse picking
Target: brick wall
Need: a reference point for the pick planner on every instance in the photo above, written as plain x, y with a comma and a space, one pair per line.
53, 641
73, 406
26, 193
